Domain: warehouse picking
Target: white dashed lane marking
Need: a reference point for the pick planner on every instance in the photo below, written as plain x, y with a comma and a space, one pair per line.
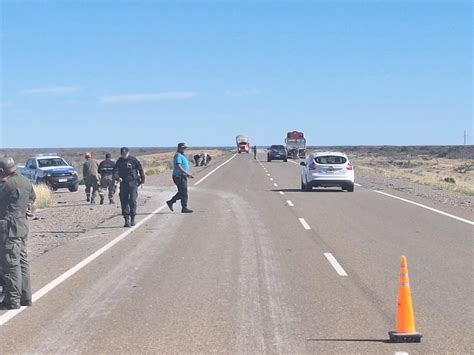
332, 260
290, 203
304, 224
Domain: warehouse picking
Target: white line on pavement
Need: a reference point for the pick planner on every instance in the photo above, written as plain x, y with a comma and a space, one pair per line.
356, 184
276, 185
271, 179
305, 224
400, 353
60, 279
268, 174
213, 171
282, 193
290, 203
332, 260
428, 208
294, 162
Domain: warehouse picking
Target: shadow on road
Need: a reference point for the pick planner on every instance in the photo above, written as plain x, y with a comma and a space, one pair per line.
314, 190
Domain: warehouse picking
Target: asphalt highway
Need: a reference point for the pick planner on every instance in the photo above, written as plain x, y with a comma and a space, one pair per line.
259, 267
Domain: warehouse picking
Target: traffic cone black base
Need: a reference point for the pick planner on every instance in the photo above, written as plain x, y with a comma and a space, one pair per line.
405, 338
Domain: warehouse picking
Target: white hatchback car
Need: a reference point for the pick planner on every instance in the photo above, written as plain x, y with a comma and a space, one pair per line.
327, 169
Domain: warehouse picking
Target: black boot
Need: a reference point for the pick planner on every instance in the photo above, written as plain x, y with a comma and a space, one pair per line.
132, 221
127, 222
186, 210
170, 205
101, 199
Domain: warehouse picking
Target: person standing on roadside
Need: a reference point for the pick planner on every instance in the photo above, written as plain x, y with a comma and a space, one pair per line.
107, 181
16, 200
90, 172
129, 172
255, 152
181, 173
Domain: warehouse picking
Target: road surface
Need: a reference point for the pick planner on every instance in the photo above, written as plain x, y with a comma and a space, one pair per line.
260, 267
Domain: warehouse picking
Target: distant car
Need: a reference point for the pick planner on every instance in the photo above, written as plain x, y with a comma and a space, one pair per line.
327, 169
277, 152
52, 170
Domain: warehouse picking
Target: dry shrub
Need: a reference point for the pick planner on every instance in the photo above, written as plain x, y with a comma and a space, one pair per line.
44, 196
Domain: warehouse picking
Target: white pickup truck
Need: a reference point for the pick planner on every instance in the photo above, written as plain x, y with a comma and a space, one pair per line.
52, 170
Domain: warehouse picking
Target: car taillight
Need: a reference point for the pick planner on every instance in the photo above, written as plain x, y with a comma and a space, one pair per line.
349, 166
312, 166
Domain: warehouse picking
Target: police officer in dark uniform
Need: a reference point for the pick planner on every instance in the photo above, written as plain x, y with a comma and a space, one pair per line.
129, 171
16, 199
107, 181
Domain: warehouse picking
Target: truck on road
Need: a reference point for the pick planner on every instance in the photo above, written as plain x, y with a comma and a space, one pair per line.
243, 143
52, 170
296, 145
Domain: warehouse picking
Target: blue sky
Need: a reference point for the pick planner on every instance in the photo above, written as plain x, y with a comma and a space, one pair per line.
152, 73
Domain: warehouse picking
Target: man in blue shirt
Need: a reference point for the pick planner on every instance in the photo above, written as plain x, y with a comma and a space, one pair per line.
181, 173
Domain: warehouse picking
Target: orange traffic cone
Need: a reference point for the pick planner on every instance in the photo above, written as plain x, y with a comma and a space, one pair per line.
405, 328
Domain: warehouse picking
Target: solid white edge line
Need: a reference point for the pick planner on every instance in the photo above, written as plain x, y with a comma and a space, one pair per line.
332, 260
213, 171
66, 275
401, 353
290, 203
426, 207
356, 184
305, 224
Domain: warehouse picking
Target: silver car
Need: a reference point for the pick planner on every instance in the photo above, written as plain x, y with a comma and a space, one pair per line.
327, 169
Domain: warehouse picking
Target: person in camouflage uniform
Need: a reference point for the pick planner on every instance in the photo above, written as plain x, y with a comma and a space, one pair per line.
90, 172
16, 199
107, 180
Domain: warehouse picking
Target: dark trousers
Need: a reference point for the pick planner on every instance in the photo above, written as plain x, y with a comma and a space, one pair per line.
181, 183
128, 198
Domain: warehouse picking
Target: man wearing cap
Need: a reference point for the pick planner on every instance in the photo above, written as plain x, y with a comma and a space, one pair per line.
107, 181
181, 173
129, 171
90, 172
16, 199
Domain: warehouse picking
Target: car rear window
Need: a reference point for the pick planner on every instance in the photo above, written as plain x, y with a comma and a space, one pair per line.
330, 159
277, 147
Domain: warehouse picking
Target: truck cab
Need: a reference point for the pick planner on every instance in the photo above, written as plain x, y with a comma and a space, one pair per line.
52, 170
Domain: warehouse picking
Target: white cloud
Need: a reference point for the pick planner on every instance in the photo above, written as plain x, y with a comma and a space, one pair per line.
51, 90
137, 98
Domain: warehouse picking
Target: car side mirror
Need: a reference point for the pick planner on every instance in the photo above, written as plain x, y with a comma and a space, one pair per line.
303, 163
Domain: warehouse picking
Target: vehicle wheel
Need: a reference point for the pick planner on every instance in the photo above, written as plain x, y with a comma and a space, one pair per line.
303, 187
268, 160
74, 188
350, 188
308, 187
285, 160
